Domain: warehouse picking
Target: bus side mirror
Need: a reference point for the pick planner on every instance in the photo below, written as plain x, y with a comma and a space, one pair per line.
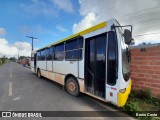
127, 36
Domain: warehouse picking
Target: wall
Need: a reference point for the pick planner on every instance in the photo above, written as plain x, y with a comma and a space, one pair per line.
145, 68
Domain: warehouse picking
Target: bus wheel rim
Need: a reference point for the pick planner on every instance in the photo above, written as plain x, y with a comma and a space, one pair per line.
72, 86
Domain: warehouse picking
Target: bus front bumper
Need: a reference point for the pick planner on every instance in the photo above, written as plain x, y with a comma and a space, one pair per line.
122, 97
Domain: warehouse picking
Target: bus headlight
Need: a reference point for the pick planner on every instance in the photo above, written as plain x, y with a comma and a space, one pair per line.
122, 90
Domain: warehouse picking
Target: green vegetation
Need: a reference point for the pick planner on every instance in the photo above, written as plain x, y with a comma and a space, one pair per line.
145, 96
13, 59
140, 101
3, 60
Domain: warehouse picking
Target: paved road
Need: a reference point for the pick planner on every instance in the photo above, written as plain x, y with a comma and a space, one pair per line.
21, 90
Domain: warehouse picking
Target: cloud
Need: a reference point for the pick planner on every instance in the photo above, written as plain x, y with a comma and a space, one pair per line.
22, 46
47, 8
61, 28
39, 7
86, 22
65, 5
143, 16
11, 50
36, 30
148, 38
2, 31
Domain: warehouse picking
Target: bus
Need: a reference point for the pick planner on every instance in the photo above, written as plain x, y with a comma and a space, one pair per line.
95, 61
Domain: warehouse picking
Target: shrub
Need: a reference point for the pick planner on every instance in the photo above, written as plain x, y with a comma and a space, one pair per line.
147, 95
131, 108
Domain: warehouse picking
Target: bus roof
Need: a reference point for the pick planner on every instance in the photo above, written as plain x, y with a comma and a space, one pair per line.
91, 29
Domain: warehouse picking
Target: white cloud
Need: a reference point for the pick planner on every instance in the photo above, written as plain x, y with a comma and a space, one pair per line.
2, 31
61, 28
22, 45
39, 7
65, 5
144, 16
11, 50
47, 8
35, 30
148, 38
86, 22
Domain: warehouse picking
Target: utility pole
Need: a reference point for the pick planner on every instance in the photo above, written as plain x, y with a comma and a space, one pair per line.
18, 56
32, 40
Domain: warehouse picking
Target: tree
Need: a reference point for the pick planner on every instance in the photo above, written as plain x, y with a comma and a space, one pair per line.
21, 57
4, 59
12, 59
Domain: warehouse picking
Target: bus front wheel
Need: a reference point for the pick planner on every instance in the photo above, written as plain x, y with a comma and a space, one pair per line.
72, 86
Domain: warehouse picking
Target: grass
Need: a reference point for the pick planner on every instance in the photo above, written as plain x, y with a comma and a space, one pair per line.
1, 63
140, 101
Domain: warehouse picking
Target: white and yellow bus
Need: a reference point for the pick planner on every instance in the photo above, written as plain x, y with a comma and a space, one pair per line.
95, 61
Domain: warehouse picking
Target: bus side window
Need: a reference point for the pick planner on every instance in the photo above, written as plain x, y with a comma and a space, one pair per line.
38, 56
74, 49
43, 55
71, 44
112, 59
80, 42
49, 53
59, 52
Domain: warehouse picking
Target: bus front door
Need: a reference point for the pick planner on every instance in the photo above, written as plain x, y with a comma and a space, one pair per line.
95, 65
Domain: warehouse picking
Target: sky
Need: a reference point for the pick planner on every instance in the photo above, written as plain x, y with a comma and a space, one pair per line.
52, 20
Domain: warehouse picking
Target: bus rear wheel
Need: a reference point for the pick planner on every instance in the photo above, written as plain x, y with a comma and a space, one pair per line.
72, 86
38, 73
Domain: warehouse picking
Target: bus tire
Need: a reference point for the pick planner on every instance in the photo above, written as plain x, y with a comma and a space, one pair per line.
72, 86
38, 73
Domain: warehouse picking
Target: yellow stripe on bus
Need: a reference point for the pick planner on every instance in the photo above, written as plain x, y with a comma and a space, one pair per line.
122, 97
94, 28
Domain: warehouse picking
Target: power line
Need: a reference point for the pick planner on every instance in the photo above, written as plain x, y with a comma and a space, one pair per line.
139, 11
102, 13
122, 4
113, 5
146, 29
146, 34
142, 15
146, 21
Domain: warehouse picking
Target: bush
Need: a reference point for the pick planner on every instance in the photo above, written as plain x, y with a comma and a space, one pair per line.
133, 94
142, 94
147, 95
131, 108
